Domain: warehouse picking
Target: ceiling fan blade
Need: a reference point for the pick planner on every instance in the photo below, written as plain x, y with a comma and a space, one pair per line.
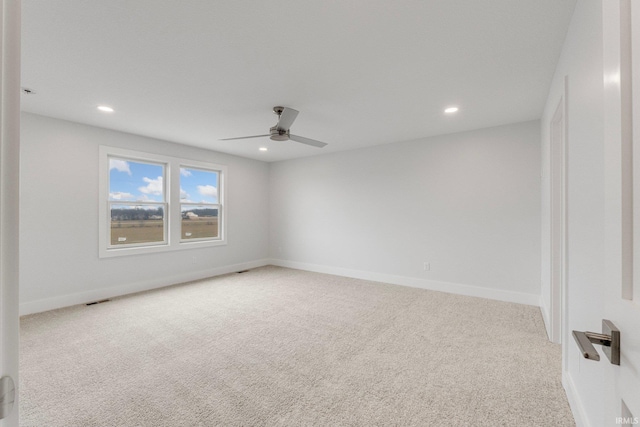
286, 118
307, 141
244, 137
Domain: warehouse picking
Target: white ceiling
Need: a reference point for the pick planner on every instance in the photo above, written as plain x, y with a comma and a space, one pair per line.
361, 72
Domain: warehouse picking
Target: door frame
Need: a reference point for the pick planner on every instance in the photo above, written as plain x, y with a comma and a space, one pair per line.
9, 198
558, 220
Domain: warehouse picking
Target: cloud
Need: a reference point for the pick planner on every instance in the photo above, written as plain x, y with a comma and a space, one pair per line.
144, 198
154, 186
185, 172
184, 195
208, 190
119, 195
119, 165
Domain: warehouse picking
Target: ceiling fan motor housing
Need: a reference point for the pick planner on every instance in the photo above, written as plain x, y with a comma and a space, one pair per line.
279, 134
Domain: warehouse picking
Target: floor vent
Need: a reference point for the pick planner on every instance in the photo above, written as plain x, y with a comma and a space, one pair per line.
98, 302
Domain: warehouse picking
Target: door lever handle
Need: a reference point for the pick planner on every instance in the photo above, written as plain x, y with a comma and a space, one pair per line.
609, 339
585, 340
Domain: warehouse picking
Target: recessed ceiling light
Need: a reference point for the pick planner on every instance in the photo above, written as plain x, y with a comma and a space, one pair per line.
450, 110
263, 148
105, 108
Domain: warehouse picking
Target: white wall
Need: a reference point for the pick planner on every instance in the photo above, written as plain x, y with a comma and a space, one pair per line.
467, 203
581, 62
59, 218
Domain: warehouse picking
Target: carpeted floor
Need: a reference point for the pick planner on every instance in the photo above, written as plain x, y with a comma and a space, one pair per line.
275, 346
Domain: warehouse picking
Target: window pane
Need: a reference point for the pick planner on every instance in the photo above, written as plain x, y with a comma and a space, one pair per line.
199, 222
136, 224
198, 186
131, 181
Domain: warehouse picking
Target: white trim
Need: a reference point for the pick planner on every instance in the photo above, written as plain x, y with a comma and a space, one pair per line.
434, 285
577, 409
10, 23
112, 292
557, 188
564, 309
545, 317
129, 288
632, 290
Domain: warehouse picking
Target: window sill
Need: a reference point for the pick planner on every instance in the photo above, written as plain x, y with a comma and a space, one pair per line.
152, 249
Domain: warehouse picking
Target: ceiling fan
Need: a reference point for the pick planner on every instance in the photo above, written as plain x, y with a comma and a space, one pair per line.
280, 132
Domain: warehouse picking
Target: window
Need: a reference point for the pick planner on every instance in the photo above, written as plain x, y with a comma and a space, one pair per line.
136, 202
199, 207
151, 203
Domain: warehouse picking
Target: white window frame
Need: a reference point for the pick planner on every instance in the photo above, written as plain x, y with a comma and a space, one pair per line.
206, 167
172, 211
163, 203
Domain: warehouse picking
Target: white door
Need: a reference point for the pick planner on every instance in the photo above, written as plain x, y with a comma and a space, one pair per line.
621, 30
9, 178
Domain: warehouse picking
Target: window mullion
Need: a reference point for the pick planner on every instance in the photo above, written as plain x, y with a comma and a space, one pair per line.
174, 201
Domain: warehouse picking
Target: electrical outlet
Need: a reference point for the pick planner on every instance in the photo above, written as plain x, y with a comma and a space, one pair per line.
427, 266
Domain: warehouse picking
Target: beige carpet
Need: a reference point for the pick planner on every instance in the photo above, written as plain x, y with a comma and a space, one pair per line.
275, 346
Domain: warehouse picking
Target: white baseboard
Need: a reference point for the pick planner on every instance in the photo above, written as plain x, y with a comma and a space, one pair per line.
112, 292
434, 285
579, 414
116, 291
545, 317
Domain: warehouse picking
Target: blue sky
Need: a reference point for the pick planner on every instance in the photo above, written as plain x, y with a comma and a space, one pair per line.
131, 181
198, 186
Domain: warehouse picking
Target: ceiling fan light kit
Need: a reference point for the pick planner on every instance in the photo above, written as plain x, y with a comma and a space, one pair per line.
280, 132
